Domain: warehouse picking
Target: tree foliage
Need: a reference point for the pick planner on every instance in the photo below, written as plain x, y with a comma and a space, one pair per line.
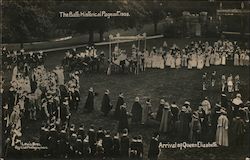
26, 20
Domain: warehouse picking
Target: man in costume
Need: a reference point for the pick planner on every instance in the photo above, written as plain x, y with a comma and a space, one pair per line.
154, 149
89, 104
136, 111
120, 102
106, 104
123, 118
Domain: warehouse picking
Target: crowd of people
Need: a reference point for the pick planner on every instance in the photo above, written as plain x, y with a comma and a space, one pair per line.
87, 60
36, 93
197, 55
23, 59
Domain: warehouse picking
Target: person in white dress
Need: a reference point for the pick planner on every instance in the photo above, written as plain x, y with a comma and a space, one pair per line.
189, 61
236, 59
178, 61
184, 57
194, 60
207, 60
217, 59
172, 61
230, 84
242, 58
200, 63
246, 61
14, 73
223, 58
168, 59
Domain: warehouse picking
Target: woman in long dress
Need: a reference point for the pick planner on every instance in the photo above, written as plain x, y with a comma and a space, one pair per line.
172, 62
212, 58
207, 60
194, 60
146, 111
14, 73
166, 124
189, 61
242, 57
200, 64
222, 129
246, 61
217, 59
230, 84
168, 59
184, 62
178, 61
223, 58
161, 62
236, 59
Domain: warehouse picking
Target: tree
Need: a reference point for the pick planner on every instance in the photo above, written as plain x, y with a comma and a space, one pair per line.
26, 20
155, 12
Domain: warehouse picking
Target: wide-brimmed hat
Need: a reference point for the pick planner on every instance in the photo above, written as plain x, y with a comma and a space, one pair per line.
186, 103
121, 95
166, 105
184, 108
91, 89
137, 99
162, 101
107, 91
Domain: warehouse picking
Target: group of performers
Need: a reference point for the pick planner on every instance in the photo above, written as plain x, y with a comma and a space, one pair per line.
37, 93
86, 60
195, 55
40, 95
228, 84
24, 60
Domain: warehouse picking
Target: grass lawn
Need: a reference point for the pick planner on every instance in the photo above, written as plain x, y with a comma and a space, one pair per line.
170, 84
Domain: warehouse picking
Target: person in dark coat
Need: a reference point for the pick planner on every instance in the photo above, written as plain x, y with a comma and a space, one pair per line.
79, 146
92, 140
184, 119
133, 148
53, 136
139, 147
116, 146
106, 105
154, 149
63, 143
123, 118
89, 105
12, 97
107, 145
160, 110
81, 131
86, 148
136, 111
72, 145
125, 144
120, 102
64, 112
225, 103
100, 134
238, 131
204, 124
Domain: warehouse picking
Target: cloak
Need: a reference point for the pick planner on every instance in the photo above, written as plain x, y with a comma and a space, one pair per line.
89, 105
136, 112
